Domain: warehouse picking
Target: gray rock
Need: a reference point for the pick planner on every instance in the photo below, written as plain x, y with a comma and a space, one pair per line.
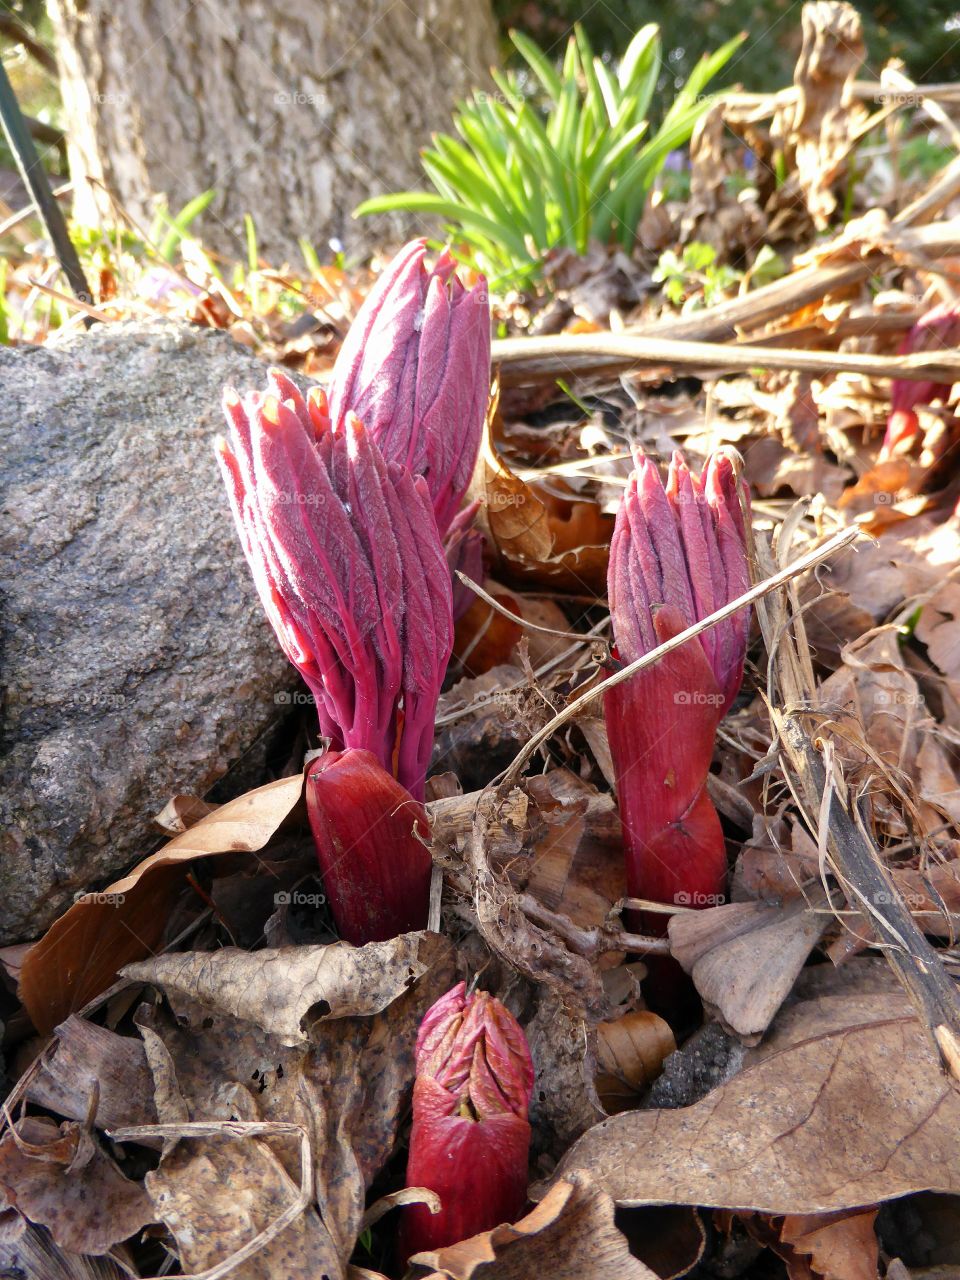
136, 661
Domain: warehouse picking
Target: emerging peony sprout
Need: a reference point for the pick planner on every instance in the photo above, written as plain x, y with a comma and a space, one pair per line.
938, 330
371, 839
677, 554
340, 511
470, 1138
415, 368
346, 557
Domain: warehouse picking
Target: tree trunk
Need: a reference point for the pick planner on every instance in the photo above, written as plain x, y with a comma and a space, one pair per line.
293, 117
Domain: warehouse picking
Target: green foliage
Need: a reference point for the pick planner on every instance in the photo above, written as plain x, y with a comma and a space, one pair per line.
695, 275
767, 267
174, 228
523, 178
922, 157
695, 279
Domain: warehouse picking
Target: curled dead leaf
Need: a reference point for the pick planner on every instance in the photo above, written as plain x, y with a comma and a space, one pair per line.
569, 1235
81, 953
630, 1053
86, 1061
836, 1246
539, 534
182, 812
62, 1179
744, 957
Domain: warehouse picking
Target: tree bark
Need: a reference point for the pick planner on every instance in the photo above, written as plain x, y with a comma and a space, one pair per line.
293, 114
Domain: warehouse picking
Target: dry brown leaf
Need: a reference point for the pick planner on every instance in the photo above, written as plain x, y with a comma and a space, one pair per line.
938, 627
840, 1247
181, 813
290, 992
932, 892
515, 518
66, 1182
484, 638
577, 868
875, 698
768, 1139
594, 729
820, 1246
86, 1060
776, 874
569, 1235
630, 1053
542, 648
911, 560
744, 957
81, 953
349, 1088
772, 470
550, 947
217, 1198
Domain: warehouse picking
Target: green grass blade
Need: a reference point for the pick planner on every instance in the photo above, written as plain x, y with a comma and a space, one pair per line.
642, 49
539, 64
451, 210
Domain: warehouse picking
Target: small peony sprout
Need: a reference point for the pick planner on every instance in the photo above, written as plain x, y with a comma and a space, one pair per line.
470, 1139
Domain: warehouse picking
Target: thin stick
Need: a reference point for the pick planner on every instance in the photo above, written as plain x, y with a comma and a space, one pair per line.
452, 716
839, 540
514, 617
78, 304
524, 359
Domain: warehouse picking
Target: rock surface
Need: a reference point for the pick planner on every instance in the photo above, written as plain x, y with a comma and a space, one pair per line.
136, 661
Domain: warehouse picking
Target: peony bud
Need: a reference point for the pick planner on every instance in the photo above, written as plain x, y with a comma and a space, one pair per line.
470, 1138
371, 837
676, 556
346, 557
415, 368
938, 330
